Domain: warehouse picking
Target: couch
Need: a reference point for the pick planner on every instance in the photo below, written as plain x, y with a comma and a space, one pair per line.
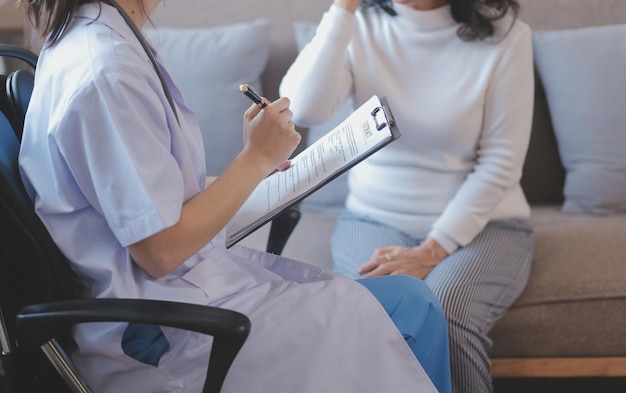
570, 320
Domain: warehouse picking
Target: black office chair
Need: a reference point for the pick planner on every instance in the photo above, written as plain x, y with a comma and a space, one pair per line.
38, 301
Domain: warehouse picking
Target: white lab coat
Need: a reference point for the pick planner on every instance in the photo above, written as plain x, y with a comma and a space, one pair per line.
108, 165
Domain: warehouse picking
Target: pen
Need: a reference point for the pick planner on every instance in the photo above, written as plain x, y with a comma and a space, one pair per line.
253, 95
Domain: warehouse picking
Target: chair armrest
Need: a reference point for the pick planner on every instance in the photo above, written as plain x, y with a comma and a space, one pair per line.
18, 52
217, 322
229, 328
282, 226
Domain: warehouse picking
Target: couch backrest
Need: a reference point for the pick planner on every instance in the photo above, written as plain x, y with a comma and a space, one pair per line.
281, 13
543, 174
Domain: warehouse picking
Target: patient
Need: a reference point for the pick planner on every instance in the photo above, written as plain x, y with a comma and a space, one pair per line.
443, 203
114, 162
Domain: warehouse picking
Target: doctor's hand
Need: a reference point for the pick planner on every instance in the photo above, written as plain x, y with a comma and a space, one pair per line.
269, 135
348, 5
413, 261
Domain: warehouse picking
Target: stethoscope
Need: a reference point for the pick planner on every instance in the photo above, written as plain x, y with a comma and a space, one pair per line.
146, 47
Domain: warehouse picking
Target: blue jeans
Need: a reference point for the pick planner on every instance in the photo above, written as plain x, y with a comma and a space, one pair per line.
417, 313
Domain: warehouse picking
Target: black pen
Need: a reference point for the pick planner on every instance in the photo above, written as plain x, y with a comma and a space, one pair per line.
253, 95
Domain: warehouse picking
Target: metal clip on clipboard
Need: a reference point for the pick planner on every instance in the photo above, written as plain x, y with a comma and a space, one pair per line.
385, 112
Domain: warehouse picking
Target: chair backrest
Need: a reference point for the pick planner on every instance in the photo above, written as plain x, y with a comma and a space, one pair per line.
19, 88
32, 269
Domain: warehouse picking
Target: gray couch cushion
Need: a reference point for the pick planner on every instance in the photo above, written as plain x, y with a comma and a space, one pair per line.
574, 292
576, 288
309, 242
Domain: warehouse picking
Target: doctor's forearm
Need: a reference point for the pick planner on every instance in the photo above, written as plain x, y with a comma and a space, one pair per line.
201, 219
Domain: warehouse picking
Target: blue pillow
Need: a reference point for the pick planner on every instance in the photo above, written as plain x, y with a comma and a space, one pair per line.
208, 65
583, 72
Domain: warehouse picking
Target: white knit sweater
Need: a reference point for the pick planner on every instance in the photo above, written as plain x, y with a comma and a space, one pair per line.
464, 110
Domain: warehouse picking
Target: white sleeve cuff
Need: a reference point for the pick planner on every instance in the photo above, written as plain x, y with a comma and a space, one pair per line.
445, 241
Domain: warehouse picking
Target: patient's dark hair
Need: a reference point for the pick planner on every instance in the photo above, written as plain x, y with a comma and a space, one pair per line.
476, 16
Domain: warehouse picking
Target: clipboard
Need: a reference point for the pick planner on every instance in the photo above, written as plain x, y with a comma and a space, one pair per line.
351, 138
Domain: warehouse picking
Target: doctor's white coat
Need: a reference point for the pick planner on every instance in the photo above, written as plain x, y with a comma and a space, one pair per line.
108, 165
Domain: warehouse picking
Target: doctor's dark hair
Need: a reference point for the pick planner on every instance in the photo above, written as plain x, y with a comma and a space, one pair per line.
476, 16
51, 17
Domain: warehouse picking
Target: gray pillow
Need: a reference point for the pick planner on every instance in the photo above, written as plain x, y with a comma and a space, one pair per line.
331, 197
584, 75
208, 65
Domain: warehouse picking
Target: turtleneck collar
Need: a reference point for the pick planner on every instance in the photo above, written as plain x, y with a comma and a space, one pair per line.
431, 20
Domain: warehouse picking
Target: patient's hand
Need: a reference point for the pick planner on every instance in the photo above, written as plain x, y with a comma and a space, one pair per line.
413, 261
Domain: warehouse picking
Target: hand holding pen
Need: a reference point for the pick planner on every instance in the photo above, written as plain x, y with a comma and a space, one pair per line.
268, 128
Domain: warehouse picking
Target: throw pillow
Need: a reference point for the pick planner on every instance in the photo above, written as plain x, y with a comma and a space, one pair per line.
583, 72
332, 196
208, 65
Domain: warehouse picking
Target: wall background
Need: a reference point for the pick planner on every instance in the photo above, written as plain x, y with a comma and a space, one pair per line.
10, 17
11, 31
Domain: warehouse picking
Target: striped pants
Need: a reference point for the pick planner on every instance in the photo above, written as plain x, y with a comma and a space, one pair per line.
476, 284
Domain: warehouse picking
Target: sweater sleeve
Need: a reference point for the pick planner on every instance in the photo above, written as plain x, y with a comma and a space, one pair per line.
502, 146
321, 78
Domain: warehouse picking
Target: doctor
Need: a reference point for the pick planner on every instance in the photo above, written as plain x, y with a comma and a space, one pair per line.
116, 170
